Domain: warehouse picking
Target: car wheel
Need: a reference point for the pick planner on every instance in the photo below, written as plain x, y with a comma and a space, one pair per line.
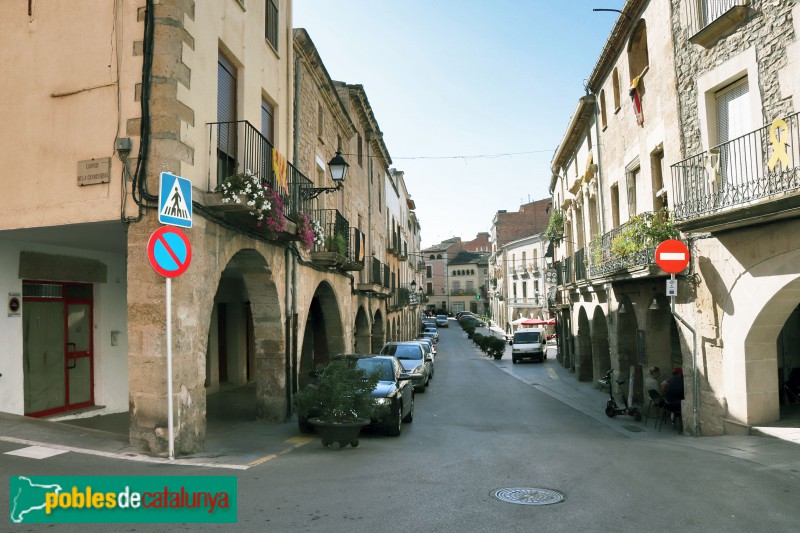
397, 423
514, 360
410, 416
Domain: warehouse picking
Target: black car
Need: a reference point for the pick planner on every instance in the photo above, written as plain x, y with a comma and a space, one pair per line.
394, 393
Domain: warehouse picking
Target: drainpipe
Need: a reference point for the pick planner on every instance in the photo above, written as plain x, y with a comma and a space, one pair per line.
695, 392
290, 261
368, 135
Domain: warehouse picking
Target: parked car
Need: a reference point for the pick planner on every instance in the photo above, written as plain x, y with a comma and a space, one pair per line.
432, 335
413, 359
441, 321
432, 330
430, 342
471, 319
394, 393
465, 313
528, 344
427, 348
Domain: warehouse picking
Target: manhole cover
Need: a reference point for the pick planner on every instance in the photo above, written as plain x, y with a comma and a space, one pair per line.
529, 496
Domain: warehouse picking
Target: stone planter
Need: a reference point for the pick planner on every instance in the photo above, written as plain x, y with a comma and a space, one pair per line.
342, 433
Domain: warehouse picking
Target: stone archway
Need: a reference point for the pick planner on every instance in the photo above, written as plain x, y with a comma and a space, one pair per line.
323, 335
362, 332
269, 357
752, 386
378, 339
583, 348
601, 352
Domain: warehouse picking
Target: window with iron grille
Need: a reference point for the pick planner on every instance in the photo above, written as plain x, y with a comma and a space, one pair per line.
271, 23
632, 174
268, 121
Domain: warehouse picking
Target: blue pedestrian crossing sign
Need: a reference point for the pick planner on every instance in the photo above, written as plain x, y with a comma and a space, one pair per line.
175, 200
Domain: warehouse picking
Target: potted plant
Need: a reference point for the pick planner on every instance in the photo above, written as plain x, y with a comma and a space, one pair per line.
263, 202
339, 403
555, 227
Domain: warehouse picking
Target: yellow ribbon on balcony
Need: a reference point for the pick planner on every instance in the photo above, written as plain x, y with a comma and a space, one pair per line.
279, 168
778, 144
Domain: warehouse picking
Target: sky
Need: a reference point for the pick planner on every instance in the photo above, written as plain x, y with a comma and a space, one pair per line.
472, 97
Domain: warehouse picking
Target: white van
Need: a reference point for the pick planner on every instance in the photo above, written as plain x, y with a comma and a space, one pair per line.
528, 344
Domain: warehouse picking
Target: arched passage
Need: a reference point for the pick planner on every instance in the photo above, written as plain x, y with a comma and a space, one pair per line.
246, 341
323, 333
601, 353
377, 332
362, 333
583, 347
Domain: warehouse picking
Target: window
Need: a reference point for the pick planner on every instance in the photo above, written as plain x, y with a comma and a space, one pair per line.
320, 121
615, 205
733, 121
428, 271
657, 171
360, 148
429, 289
602, 108
271, 23
226, 116
615, 81
268, 121
631, 175
470, 287
638, 56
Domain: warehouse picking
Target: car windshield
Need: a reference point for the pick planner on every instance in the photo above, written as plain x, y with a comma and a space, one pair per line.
404, 351
526, 337
383, 367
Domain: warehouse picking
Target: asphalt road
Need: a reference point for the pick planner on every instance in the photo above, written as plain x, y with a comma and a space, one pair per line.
478, 429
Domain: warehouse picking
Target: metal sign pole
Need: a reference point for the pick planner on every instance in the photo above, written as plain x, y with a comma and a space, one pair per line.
169, 370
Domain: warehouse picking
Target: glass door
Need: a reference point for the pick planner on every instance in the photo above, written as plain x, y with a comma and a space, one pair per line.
57, 347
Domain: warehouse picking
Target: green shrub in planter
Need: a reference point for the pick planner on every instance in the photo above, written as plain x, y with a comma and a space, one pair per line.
470, 331
496, 347
477, 338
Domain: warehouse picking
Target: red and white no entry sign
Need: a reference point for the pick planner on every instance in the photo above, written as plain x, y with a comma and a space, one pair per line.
672, 256
169, 251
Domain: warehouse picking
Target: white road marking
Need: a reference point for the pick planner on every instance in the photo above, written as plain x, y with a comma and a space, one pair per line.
36, 452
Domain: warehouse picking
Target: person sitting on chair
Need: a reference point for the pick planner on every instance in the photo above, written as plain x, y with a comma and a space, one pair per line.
672, 390
651, 382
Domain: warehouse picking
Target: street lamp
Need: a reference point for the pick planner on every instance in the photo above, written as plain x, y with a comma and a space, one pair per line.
338, 167
413, 285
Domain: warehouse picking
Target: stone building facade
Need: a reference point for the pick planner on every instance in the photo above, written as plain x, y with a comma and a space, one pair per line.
702, 132
210, 92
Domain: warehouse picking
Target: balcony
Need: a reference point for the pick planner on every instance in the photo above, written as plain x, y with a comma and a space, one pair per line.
337, 250
400, 298
580, 266
373, 283
711, 19
239, 148
746, 181
525, 301
629, 249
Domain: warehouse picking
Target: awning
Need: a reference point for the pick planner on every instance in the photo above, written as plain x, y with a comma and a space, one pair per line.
538, 322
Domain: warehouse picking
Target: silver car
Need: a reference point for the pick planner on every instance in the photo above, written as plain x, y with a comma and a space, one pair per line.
412, 357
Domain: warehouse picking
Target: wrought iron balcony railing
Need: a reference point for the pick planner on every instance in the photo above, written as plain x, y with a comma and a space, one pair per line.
375, 272
241, 147
761, 165
566, 271
630, 245
702, 13
580, 265
336, 230
399, 298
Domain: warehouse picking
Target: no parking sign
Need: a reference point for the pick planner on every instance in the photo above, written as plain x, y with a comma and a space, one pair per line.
169, 251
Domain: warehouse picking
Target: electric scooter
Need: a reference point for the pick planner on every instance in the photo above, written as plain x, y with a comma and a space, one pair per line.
612, 408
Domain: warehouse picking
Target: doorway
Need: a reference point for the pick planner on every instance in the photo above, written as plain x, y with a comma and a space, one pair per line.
58, 354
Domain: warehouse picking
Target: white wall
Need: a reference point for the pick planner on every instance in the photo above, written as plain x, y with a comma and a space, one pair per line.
110, 314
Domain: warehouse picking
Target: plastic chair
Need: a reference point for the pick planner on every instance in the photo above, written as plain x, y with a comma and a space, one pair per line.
657, 403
